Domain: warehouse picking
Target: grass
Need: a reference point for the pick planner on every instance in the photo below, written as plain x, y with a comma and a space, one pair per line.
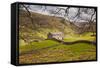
85, 36
59, 53
37, 45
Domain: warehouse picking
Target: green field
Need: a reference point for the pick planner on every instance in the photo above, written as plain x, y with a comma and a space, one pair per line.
37, 45
52, 51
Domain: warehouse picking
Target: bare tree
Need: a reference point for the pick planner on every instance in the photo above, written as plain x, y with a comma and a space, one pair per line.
29, 14
90, 12
77, 17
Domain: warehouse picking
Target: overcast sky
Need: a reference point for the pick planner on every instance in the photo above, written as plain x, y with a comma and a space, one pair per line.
72, 12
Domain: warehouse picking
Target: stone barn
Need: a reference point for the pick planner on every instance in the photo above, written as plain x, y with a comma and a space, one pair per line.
56, 35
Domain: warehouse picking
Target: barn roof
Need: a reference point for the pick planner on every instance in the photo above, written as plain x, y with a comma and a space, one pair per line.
56, 33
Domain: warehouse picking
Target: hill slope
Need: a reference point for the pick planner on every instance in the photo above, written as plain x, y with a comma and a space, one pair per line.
40, 27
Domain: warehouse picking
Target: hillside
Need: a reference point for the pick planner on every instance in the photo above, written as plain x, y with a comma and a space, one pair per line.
41, 26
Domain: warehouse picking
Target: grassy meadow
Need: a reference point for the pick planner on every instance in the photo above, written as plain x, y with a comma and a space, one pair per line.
53, 51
